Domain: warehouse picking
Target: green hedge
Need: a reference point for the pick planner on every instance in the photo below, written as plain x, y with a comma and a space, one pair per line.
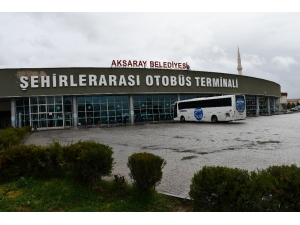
85, 161
88, 160
13, 136
145, 170
274, 189
218, 188
31, 161
287, 182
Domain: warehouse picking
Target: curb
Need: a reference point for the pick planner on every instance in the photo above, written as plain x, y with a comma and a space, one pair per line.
25, 138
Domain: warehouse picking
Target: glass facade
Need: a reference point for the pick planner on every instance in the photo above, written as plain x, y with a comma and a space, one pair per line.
22, 106
251, 105
263, 105
150, 108
44, 112
103, 110
98, 110
277, 105
272, 106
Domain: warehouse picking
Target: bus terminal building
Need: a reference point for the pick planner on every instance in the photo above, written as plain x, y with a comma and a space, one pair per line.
65, 97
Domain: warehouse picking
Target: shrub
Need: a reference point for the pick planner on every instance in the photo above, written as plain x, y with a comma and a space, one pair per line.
218, 188
21, 132
13, 136
287, 187
145, 169
9, 137
52, 161
258, 194
120, 186
88, 160
274, 189
31, 161
27, 128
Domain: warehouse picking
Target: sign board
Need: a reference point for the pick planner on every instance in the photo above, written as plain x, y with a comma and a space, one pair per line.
152, 64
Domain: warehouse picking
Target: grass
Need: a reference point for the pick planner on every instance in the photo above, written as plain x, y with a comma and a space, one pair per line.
64, 195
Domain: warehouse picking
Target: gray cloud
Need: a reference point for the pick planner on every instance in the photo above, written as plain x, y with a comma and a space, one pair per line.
268, 42
284, 62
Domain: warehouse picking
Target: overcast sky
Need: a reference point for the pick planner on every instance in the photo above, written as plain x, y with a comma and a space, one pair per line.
269, 43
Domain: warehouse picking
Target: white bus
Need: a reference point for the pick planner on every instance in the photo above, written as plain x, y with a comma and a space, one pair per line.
212, 109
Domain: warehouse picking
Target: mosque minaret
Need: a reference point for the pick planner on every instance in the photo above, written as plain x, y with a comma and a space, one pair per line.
239, 67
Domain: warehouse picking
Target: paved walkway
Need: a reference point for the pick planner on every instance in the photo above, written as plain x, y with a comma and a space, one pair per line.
257, 142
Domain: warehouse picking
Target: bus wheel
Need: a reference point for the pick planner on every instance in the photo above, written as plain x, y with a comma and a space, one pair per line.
214, 119
182, 119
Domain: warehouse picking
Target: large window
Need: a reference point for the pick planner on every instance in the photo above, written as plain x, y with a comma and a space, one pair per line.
277, 103
22, 106
251, 105
105, 109
272, 105
44, 112
47, 112
221, 102
263, 105
156, 107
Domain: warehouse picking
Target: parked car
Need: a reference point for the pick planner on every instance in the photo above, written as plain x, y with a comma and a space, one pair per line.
296, 109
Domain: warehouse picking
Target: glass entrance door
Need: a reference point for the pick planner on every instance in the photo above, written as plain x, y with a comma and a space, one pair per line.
55, 120
43, 117
68, 120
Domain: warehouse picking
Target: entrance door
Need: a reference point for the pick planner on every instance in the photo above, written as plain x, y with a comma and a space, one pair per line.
59, 120
43, 122
50, 120
68, 120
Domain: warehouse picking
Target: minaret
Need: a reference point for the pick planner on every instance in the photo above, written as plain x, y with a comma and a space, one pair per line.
239, 68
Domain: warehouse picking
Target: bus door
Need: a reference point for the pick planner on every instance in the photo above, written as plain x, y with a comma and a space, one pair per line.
175, 110
240, 107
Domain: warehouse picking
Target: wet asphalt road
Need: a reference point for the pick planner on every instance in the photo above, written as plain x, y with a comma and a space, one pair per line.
255, 143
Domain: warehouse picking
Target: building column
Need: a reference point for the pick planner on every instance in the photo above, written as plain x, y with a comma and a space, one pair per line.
257, 105
20, 120
75, 113
131, 110
178, 97
13, 112
269, 108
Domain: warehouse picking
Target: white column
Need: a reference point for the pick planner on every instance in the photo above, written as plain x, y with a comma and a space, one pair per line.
131, 110
75, 113
20, 120
13, 112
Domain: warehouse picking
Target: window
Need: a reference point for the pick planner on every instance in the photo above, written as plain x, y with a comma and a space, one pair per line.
221, 102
